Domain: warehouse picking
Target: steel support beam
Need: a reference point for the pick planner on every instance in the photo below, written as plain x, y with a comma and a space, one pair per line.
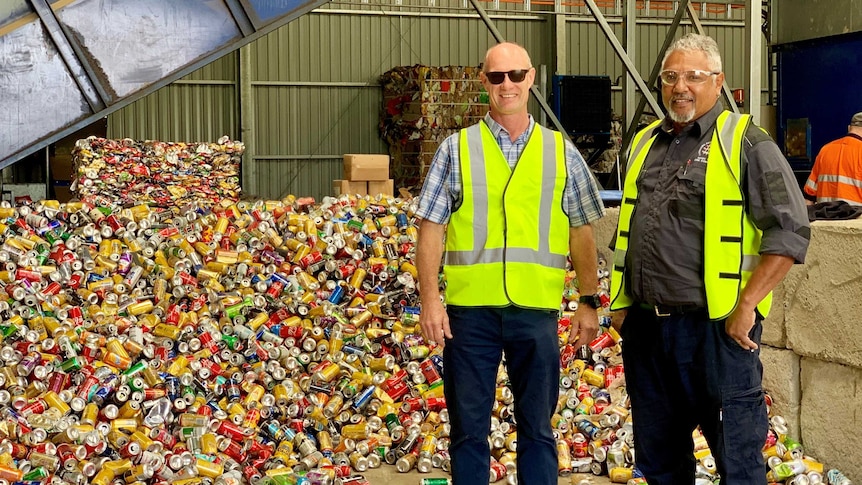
241, 17
695, 20
621, 53
653, 76
84, 76
630, 37
753, 59
492, 28
245, 94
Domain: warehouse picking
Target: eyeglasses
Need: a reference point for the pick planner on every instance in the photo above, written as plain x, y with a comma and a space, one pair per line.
515, 75
696, 76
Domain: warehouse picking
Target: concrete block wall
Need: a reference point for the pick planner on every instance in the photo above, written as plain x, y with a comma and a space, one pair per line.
812, 343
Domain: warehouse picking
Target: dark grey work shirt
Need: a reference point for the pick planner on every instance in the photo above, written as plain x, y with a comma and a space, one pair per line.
664, 262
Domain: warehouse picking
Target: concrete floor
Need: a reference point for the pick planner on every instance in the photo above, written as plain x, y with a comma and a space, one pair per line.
388, 475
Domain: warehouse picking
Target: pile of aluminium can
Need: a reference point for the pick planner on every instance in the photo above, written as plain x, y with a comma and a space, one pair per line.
268, 342
107, 172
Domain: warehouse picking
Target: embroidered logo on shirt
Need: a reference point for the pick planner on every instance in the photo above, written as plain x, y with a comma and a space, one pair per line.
702, 153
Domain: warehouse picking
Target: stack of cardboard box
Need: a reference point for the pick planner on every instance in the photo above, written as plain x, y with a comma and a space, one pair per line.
422, 106
365, 175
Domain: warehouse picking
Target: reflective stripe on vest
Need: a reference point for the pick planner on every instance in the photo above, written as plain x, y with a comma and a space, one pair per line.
507, 242
731, 240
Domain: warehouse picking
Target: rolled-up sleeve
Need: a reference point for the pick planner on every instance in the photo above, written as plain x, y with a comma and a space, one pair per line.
436, 198
775, 201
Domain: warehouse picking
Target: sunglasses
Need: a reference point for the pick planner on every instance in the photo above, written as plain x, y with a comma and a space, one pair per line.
515, 75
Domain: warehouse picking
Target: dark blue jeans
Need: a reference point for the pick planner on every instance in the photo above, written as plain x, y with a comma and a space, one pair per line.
470, 362
683, 371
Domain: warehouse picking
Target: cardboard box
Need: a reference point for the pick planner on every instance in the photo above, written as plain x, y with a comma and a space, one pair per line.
385, 187
366, 167
349, 187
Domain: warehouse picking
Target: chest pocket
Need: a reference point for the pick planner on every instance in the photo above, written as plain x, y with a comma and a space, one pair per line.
688, 202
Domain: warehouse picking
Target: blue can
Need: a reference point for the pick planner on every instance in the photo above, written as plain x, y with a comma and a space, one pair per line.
588, 428
363, 398
336, 295
401, 220
172, 387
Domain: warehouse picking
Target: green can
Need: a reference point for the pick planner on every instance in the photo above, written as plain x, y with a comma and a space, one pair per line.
435, 481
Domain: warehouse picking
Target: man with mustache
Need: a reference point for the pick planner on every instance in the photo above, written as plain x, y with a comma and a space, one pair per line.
712, 219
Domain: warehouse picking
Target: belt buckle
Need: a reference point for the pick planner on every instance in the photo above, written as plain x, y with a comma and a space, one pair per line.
658, 312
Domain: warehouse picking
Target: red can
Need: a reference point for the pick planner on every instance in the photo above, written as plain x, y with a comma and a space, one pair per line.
435, 403
58, 381
75, 280
233, 449
396, 389
311, 258
580, 446
26, 274
187, 278
252, 474
613, 373
76, 315
131, 450
498, 470
297, 425
411, 404
275, 289
429, 370
602, 341
207, 341
279, 316
17, 450
52, 289
164, 437
232, 431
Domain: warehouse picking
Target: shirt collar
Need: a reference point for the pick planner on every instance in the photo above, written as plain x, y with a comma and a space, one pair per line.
497, 129
698, 127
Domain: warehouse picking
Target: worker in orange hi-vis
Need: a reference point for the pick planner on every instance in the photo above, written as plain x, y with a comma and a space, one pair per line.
837, 172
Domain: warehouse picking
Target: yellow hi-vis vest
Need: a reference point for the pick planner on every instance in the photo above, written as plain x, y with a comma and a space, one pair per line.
507, 242
731, 240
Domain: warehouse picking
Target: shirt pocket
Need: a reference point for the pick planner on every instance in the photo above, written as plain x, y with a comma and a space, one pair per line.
687, 201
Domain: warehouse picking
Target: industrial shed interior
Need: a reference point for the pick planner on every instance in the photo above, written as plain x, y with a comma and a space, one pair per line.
204, 150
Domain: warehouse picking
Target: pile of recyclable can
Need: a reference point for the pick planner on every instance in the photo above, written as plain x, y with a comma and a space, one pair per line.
107, 172
267, 342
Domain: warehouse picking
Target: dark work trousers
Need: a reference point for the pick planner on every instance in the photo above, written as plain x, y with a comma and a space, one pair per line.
470, 362
683, 371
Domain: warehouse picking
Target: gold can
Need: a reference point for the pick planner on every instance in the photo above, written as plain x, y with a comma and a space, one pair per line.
619, 474
209, 469
564, 458
358, 431
141, 307
357, 278
593, 378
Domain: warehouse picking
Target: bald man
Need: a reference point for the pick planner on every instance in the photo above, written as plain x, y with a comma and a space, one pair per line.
512, 199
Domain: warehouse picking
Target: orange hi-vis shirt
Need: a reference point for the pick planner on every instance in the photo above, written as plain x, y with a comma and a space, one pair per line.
837, 172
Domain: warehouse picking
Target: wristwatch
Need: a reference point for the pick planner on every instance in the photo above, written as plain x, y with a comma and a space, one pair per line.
592, 300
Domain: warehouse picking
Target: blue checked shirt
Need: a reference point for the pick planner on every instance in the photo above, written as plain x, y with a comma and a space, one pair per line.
441, 194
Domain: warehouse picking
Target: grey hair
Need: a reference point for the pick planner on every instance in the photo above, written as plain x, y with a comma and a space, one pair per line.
692, 42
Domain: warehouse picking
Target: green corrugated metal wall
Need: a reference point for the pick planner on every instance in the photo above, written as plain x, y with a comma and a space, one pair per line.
314, 92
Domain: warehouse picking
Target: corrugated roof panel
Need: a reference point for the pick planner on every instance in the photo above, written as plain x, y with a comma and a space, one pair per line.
39, 93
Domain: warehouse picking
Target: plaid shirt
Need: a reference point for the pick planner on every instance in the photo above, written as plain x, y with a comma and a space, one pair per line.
441, 194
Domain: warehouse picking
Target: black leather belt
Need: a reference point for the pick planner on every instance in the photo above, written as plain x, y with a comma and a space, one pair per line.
669, 310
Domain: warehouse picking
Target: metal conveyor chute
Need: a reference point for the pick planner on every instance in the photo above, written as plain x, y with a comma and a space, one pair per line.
67, 63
